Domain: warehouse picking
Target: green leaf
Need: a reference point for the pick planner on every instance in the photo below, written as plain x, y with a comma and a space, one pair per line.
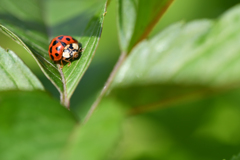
95, 139
33, 126
33, 23
136, 18
204, 129
15, 74
184, 61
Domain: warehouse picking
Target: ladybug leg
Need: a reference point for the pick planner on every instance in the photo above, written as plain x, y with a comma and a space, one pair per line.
69, 62
61, 64
81, 49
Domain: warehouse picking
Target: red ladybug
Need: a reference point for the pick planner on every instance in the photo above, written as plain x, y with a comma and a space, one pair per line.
63, 48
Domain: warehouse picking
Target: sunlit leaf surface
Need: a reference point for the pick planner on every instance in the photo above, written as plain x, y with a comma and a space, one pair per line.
184, 61
14, 74
136, 18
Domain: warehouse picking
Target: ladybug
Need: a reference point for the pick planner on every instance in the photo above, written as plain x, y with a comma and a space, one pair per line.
64, 48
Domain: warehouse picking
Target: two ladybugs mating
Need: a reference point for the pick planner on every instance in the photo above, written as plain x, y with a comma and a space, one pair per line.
64, 48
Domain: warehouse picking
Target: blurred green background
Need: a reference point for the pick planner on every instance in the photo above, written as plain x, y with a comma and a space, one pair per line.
203, 133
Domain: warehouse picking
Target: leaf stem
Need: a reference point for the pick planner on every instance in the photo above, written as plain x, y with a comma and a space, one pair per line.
63, 95
106, 86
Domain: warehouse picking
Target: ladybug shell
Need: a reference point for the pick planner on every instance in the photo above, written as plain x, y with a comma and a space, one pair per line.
57, 45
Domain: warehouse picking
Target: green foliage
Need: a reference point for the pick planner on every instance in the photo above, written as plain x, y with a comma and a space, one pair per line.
15, 74
32, 130
186, 54
144, 15
46, 130
35, 23
203, 128
172, 96
180, 62
99, 135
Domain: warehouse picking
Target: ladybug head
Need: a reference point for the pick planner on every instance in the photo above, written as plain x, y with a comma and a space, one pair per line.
75, 55
75, 51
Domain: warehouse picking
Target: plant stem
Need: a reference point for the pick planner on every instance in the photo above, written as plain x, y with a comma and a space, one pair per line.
63, 95
65, 101
106, 86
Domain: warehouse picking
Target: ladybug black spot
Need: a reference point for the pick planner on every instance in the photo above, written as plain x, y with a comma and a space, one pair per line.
52, 57
70, 46
54, 43
60, 38
68, 39
56, 54
64, 44
58, 48
75, 50
74, 39
50, 50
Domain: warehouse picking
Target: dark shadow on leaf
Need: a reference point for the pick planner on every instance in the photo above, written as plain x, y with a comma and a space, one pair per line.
92, 82
183, 122
24, 25
141, 95
73, 27
81, 25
